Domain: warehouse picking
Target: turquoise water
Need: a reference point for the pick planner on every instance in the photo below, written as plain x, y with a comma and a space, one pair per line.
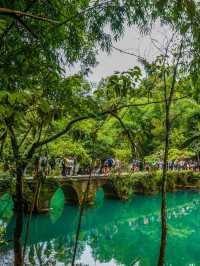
117, 233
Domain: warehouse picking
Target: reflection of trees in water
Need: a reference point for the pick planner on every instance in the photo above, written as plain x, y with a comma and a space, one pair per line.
51, 252
120, 243
125, 242
124, 232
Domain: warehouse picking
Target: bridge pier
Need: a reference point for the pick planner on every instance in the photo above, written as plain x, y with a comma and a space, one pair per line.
113, 190
45, 193
75, 191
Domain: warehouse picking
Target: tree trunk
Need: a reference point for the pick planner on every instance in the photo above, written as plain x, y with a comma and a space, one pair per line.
164, 181
36, 203
19, 208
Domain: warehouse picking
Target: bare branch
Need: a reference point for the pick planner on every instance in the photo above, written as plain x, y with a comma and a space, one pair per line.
128, 53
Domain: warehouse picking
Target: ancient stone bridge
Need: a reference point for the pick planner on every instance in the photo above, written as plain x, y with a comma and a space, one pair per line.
115, 186
73, 187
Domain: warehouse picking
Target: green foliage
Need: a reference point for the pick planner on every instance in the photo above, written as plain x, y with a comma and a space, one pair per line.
2, 233
38, 99
2, 25
123, 187
175, 154
57, 205
146, 183
6, 207
150, 182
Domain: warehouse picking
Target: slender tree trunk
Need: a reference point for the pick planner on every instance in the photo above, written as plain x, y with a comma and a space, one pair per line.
19, 207
164, 181
36, 204
167, 101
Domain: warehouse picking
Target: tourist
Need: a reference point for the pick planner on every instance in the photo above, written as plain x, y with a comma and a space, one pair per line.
135, 165
108, 164
147, 167
37, 166
44, 164
118, 166
170, 165
52, 163
97, 166
64, 167
70, 166
76, 166
160, 165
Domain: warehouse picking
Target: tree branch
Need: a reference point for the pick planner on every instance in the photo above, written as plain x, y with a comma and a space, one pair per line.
128, 53
13, 139
25, 136
12, 24
174, 75
59, 134
100, 5
35, 145
127, 132
25, 26
8, 11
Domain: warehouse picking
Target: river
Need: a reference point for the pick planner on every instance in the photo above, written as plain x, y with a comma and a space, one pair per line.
115, 233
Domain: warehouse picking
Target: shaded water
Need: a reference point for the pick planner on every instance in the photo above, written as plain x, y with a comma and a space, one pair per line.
116, 233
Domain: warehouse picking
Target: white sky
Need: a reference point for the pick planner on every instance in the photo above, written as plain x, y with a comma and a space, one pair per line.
133, 42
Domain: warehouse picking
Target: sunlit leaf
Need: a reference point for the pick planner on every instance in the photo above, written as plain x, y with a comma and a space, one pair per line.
57, 205
44, 106
2, 25
6, 207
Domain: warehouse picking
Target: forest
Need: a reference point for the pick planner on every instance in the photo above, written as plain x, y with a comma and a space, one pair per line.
148, 113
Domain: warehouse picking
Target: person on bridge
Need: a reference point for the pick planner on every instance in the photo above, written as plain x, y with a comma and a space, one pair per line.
44, 164
118, 166
37, 166
52, 163
108, 164
64, 167
70, 166
97, 166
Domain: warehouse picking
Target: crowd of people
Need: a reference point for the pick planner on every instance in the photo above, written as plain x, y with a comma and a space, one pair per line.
71, 166
67, 165
173, 165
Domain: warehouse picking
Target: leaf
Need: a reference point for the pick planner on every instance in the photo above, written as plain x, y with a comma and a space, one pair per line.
3, 24
3, 94
57, 205
11, 99
44, 106
6, 207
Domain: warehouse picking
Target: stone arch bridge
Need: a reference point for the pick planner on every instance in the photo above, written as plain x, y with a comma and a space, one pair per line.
73, 188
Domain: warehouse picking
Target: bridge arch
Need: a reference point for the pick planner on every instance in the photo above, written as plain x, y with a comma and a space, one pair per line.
71, 194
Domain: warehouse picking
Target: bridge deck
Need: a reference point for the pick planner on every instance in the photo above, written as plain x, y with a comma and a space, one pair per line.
74, 178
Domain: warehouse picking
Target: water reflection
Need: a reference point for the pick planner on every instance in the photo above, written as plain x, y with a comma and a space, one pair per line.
116, 233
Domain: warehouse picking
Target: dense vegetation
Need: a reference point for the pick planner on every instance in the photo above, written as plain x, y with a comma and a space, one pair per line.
146, 113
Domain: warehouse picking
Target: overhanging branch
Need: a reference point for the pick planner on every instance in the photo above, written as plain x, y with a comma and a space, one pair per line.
10, 12
89, 116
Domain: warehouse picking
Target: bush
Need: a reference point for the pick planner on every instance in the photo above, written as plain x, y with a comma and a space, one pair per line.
150, 182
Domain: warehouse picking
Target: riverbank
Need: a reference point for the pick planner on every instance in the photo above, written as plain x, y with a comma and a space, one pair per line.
150, 182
